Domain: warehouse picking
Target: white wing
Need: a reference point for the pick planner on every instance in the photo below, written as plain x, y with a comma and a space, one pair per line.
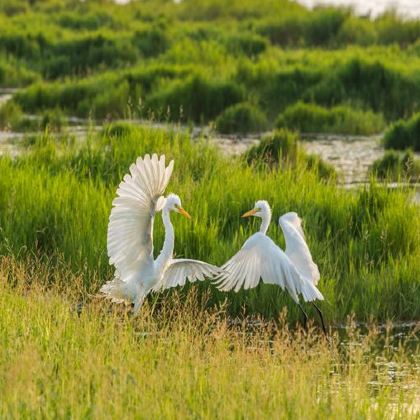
296, 247
181, 270
130, 229
261, 258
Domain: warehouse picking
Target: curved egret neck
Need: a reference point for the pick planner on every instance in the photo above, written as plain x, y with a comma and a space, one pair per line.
266, 219
168, 244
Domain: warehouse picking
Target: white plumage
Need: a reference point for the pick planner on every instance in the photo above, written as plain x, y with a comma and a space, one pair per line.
296, 247
130, 236
260, 258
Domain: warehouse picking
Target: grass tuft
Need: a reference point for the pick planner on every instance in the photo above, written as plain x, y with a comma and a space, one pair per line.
341, 119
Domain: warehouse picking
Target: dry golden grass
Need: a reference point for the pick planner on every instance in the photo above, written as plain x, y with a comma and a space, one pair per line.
64, 353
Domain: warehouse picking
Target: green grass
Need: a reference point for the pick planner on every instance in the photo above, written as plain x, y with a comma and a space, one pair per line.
184, 87
10, 115
397, 166
403, 134
281, 150
241, 118
65, 354
343, 119
196, 352
191, 62
55, 201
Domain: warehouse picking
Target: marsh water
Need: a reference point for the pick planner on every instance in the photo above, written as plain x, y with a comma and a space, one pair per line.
352, 156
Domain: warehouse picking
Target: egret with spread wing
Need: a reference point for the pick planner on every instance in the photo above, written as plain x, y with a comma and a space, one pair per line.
130, 236
260, 258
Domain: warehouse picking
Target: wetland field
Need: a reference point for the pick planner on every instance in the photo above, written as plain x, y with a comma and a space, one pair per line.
316, 111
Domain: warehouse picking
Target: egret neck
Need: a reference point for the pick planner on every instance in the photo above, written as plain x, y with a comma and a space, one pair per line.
265, 213
168, 244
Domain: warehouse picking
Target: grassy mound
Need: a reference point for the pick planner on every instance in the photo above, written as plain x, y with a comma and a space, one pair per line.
340, 119
281, 149
195, 99
396, 165
404, 134
241, 118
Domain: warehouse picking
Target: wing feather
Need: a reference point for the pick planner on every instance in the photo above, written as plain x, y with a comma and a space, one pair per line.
296, 247
130, 228
261, 258
181, 270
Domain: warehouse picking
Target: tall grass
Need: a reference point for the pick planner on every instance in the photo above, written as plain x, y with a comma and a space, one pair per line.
10, 115
190, 91
191, 62
14, 74
55, 200
403, 134
65, 354
397, 165
340, 119
241, 118
197, 99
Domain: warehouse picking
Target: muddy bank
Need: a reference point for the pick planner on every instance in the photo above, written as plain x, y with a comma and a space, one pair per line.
352, 156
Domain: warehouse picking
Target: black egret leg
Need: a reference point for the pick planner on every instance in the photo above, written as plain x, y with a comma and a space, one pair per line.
305, 317
322, 318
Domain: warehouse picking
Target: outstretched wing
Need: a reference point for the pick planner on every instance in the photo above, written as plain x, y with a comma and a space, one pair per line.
296, 247
130, 229
261, 258
181, 270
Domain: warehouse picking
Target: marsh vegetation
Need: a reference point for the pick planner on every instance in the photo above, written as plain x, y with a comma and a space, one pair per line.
235, 67
180, 356
56, 198
194, 61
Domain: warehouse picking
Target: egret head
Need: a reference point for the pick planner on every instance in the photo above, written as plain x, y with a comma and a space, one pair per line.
173, 203
261, 209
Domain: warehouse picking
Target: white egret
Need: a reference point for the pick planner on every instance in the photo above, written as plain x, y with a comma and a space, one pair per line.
130, 236
260, 258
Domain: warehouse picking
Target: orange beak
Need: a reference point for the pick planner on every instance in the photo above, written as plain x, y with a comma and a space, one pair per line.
249, 213
184, 213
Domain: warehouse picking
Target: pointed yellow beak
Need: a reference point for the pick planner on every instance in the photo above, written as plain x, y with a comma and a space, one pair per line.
249, 213
184, 213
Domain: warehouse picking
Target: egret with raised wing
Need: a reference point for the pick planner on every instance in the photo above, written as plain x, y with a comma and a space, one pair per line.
260, 258
130, 236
